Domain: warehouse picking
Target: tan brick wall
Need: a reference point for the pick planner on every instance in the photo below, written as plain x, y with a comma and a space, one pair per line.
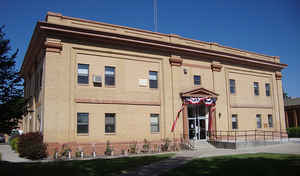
62, 98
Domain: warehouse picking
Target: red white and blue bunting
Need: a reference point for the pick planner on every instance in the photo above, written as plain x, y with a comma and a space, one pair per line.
208, 101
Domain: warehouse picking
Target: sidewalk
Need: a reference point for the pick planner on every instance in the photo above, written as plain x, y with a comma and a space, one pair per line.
183, 157
10, 155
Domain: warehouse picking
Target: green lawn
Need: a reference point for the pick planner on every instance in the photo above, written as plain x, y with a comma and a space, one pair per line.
79, 167
244, 165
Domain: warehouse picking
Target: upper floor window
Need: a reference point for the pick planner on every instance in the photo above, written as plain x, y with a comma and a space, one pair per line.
153, 83
154, 122
232, 86
256, 88
110, 122
197, 79
82, 123
234, 121
83, 74
268, 89
109, 76
270, 121
258, 120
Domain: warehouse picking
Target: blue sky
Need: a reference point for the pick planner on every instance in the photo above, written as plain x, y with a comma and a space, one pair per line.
269, 27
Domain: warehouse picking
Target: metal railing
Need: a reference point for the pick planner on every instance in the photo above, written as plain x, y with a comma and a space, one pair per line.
245, 135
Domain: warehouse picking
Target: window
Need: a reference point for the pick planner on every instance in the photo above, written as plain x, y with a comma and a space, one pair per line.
83, 74
268, 90
270, 121
232, 86
258, 120
82, 123
153, 79
154, 122
110, 122
234, 121
256, 88
109, 76
197, 79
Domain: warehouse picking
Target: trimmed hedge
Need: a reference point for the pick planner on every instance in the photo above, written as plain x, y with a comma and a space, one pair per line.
293, 132
31, 146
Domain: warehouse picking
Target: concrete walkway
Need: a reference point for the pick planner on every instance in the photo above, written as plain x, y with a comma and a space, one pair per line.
10, 155
183, 157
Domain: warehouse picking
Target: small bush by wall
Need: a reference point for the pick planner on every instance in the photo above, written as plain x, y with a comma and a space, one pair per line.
11, 138
31, 146
14, 143
293, 132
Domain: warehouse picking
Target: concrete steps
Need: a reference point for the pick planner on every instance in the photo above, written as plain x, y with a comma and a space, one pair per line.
202, 145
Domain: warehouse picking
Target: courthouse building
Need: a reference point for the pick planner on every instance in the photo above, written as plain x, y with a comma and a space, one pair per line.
89, 82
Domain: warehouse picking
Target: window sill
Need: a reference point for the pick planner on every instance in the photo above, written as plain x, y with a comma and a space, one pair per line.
82, 134
106, 86
83, 84
110, 134
155, 132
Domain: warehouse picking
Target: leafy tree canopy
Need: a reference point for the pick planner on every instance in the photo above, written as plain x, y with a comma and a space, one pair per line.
11, 87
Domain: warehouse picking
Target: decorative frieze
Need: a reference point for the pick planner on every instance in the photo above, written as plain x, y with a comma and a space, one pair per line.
278, 75
175, 60
52, 45
216, 66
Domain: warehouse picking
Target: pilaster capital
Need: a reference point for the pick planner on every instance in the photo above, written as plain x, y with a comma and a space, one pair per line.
53, 45
175, 60
278, 75
216, 66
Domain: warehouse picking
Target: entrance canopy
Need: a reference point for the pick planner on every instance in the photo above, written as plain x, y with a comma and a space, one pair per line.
197, 95
198, 92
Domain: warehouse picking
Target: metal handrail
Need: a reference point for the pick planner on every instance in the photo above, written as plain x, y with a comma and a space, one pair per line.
245, 135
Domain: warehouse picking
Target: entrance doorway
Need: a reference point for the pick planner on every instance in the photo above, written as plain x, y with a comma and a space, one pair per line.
198, 121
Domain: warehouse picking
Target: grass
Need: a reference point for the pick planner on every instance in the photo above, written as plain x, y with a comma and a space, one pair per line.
246, 164
79, 167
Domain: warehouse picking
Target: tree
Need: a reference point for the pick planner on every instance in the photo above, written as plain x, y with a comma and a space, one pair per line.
12, 101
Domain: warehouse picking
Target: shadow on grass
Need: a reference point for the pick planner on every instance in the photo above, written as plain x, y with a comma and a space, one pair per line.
249, 164
79, 167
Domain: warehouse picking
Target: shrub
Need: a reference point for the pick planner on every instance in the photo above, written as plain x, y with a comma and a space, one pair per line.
146, 146
108, 150
65, 150
165, 145
174, 147
31, 146
14, 143
133, 148
293, 132
11, 138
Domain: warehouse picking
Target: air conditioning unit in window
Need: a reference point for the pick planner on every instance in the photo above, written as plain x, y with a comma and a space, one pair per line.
97, 79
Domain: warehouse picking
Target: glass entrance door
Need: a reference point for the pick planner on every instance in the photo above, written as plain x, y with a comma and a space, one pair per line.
202, 127
192, 129
198, 121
